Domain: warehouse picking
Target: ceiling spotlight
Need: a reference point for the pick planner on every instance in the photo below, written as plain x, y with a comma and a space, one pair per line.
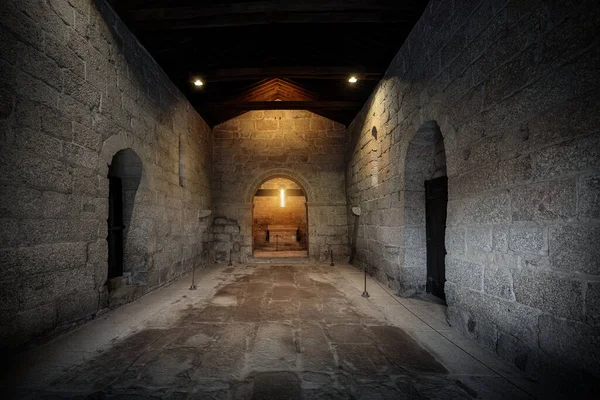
353, 79
198, 82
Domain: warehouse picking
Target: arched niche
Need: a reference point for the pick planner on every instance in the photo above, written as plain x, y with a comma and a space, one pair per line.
279, 219
425, 198
126, 242
278, 173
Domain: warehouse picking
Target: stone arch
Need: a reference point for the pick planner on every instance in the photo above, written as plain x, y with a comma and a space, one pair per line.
280, 224
278, 173
425, 160
124, 159
436, 110
114, 144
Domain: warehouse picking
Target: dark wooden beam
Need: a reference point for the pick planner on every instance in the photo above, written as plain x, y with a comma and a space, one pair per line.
165, 9
283, 105
275, 192
161, 16
259, 19
334, 73
285, 88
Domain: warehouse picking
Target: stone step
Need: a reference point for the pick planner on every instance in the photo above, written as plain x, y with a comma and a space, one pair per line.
282, 247
118, 282
125, 294
277, 260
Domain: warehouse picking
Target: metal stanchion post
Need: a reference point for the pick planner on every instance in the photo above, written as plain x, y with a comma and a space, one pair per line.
193, 287
365, 293
331, 256
230, 263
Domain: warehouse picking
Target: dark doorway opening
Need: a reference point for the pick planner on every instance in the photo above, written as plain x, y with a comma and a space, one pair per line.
436, 202
115, 227
124, 177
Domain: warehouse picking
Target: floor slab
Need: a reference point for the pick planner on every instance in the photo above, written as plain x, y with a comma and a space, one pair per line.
267, 331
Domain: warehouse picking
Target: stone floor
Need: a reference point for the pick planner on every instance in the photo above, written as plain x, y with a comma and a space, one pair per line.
267, 332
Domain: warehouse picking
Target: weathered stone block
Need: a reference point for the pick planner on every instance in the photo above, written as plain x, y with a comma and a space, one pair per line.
515, 351
60, 205
567, 157
97, 261
572, 344
7, 104
455, 241
222, 247
553, 200
43, 288
86, 137
472, 326
59, 230
589, 198
20, 167
493, 208
516, 319
20, 202
77, 306
232, 229
592, 304
575, 248
549, 292
464, 273
60, 53
37, 321
414, 215
511, 75
410, 280
492, 176
9, 296
479, 239
40, 66
415, 257
528, 239
222, 237
414, 237
43, 145
500, 238
266, 125
82, 91
498, 282
39, 259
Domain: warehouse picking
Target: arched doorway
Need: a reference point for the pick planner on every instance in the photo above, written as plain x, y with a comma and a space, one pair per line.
124, 176
426, 198
279, 219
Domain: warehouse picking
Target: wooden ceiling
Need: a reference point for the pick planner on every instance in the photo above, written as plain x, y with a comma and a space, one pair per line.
277, 54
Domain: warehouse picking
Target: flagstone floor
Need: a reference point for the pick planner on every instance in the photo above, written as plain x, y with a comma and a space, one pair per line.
267, 331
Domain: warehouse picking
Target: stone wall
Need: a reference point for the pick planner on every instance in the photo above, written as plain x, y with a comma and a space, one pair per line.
514, 89
75, 88
296, 145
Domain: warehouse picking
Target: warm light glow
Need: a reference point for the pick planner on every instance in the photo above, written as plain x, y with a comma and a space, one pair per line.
282, 196
353, 79
198, 82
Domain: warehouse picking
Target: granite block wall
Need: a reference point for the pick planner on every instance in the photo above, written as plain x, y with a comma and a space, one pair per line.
75, 88
513, 88
297, 145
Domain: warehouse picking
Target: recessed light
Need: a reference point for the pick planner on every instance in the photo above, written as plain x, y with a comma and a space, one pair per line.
198, 82
353, 79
